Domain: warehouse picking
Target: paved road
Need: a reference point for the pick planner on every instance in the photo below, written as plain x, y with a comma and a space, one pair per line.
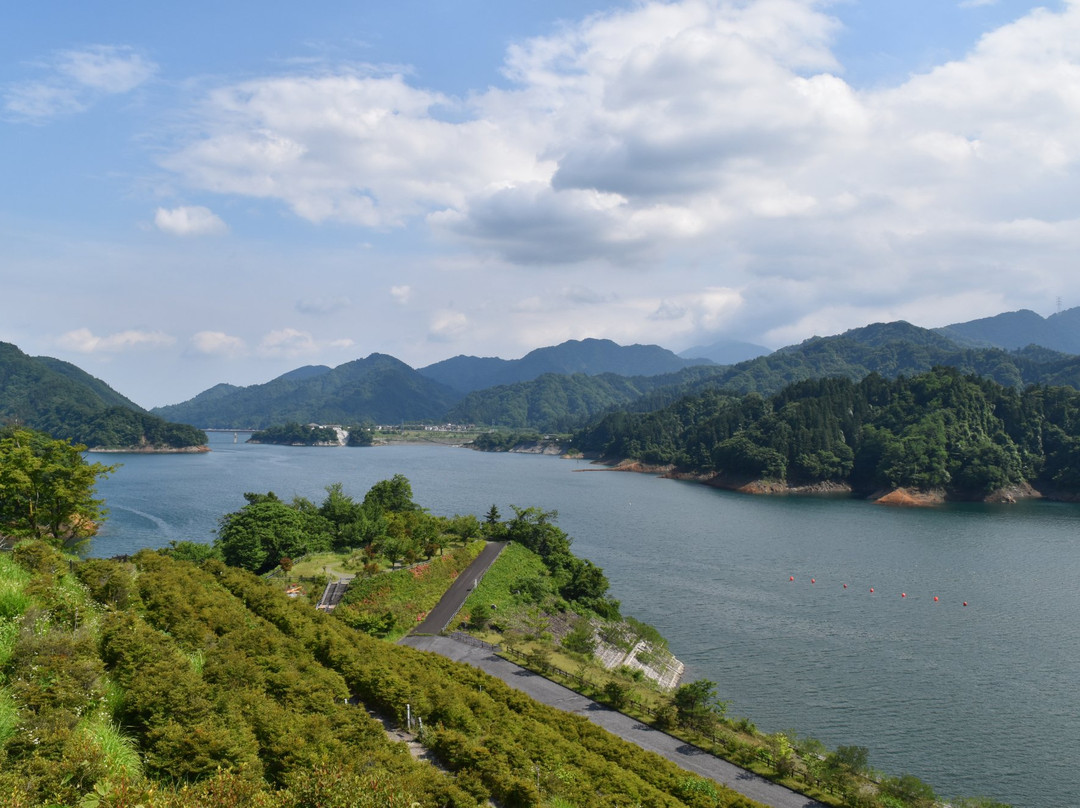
679, 752
440, 617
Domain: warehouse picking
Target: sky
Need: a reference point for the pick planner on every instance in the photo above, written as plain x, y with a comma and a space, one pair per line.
204, 192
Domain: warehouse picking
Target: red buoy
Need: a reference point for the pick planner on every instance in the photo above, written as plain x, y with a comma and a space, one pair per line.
903, 594
965, 603
813, 581
871, 590
935, 598
845, 586
792, 578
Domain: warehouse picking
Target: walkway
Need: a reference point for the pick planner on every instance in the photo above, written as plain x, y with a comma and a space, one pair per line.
452, 601
679, 752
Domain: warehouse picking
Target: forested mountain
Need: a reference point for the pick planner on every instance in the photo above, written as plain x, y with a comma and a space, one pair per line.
559, 388
68, 403
380, 389
590, 357
559, 403
725, 352
1018, 329
942, 429
891, 349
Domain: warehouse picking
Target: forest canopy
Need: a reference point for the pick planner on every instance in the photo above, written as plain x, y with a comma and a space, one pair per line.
941, 429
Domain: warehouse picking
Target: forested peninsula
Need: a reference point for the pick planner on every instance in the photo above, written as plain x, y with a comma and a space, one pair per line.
64, 401
960, 436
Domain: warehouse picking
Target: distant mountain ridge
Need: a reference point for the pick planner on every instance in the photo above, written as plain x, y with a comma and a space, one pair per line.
1018, 329
726, 352
378, 388
385, 390
590, 357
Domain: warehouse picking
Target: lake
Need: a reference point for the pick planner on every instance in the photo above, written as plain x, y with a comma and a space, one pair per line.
975, 700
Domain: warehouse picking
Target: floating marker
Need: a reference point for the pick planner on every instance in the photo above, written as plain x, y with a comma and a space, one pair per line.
903, 594
813, 581
935, 598
845, 586
871, 590
965, 603
792, 578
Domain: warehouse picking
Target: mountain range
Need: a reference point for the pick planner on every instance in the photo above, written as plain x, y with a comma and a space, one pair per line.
555, 388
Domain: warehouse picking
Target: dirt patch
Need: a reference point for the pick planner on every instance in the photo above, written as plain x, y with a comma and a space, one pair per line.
910, 498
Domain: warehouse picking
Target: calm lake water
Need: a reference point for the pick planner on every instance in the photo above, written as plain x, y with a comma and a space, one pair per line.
975, 700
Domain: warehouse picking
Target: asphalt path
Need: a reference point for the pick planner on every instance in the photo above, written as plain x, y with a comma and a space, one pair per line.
439, 617
686, 755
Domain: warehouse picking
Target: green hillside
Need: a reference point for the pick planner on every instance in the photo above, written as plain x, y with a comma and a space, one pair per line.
967, 435
157, 682
60, 399
378, 389
590, 357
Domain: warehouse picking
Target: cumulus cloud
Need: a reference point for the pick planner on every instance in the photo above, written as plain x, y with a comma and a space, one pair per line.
401, 294
74, 80
711, 140
447, 325
189, 220
218, 343
360, 148
83, 340
288, 343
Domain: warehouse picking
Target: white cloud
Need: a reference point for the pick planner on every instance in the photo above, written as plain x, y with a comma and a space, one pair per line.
189, 220
76, 79
83, 340
288, 343
218, 343
711, 142
107, 68
447, 325
401, 294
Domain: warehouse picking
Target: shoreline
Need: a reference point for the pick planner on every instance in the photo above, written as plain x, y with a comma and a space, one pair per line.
902, 497
202, 449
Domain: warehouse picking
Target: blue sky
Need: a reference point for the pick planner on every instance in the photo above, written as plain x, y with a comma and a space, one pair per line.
205, 192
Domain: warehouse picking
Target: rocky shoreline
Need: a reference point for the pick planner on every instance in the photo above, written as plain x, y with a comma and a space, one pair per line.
150, 449
897, 497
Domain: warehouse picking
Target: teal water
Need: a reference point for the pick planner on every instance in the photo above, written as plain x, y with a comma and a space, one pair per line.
975, 700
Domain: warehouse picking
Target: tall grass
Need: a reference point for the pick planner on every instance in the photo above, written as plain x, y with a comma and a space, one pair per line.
9, 716
118, 752
13, 603
13, 579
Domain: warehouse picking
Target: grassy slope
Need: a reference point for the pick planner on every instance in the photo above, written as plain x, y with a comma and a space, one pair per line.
231, 694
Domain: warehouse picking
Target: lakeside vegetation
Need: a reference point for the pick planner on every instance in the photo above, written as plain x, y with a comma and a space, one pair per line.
939, 430
67, 403
296, 434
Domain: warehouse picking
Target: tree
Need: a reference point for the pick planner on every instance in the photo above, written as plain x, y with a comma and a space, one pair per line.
261, 533
47, 489
393, 495
698, 705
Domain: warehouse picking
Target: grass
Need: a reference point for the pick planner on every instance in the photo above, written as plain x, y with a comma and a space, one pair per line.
118, 751
310, 566
13, 603
9, 716
405, 595
13, 579
501, 582
425, 436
